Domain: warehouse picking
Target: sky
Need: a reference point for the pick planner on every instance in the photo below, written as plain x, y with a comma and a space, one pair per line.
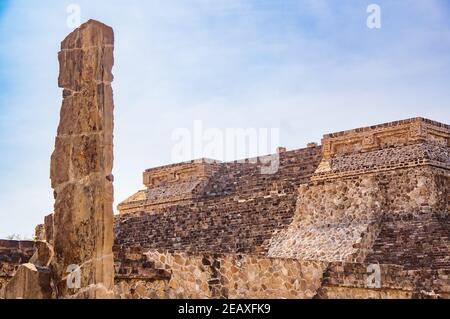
305, 67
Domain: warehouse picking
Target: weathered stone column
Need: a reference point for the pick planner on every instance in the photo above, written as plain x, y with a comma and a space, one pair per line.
82, 161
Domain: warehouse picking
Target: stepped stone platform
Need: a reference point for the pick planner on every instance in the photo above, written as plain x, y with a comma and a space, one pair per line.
376, 195
370, 198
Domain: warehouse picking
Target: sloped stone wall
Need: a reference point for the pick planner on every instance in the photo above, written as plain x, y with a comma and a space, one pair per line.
332, 221
198, 181
396, 216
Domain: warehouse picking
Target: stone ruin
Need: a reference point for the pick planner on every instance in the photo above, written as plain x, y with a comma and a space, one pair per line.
80, 236
81, 165
366, 214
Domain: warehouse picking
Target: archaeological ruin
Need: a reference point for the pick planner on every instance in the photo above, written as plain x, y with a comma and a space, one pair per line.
366, 214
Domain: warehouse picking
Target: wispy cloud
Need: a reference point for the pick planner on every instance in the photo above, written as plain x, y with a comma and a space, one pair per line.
305, 66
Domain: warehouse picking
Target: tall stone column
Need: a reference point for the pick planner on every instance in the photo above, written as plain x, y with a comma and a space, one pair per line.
81, 164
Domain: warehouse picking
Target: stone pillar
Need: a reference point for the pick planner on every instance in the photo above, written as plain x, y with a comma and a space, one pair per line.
81, 163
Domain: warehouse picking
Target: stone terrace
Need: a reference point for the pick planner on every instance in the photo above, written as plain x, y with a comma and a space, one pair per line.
330, 202
12, 254
236, 209
375, 195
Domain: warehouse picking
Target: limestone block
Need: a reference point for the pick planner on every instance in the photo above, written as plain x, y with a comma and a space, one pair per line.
30, 282
82, 162
79, 112
43, 255
86, 56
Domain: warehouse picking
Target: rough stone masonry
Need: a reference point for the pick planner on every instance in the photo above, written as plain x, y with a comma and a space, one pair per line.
82, 161
369, 198
368, 201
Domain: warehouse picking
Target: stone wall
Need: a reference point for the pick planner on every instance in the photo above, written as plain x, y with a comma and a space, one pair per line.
349, 280
12, 254
158, 274
196, 181
333, 221
170, 185
236, 210
370, 196
217, 225
380, 192
142, 273
390, 214
387, 135
180, 275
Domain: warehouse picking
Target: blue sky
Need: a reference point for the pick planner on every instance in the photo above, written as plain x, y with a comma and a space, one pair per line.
307, 67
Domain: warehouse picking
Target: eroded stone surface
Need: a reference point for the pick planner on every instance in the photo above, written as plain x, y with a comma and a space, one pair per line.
29, 282
82, 161
43, 256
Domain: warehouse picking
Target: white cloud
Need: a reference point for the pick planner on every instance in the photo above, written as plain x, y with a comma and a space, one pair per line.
228, 63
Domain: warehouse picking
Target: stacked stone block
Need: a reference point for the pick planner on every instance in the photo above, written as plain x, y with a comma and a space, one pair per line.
81, 163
